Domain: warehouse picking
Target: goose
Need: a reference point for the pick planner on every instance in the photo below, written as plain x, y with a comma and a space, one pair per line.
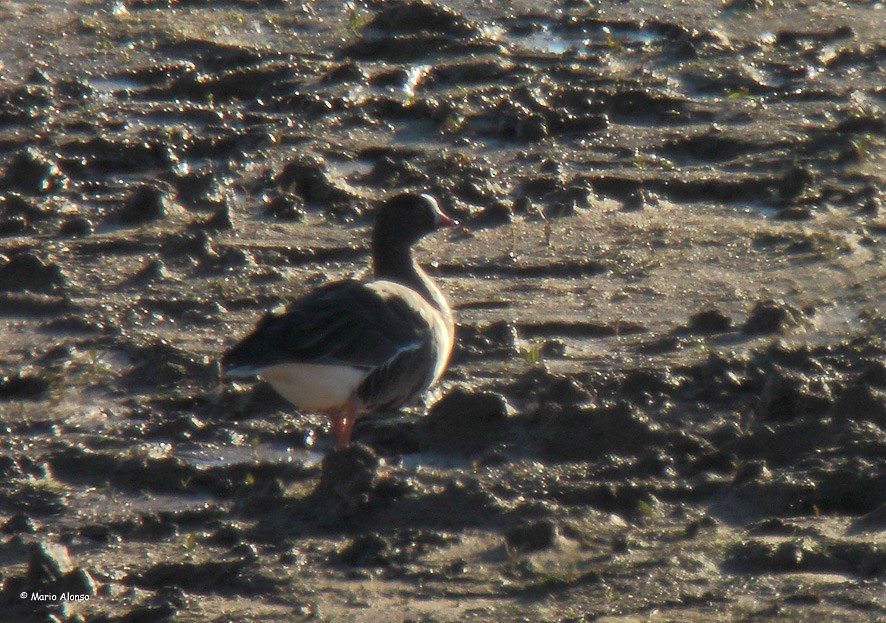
353, 347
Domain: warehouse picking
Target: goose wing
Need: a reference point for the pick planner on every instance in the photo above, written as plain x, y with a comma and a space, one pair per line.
367, 326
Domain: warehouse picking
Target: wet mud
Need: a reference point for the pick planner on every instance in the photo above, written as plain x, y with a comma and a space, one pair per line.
667, 399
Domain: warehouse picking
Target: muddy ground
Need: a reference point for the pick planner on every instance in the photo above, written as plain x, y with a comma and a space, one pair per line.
668, 397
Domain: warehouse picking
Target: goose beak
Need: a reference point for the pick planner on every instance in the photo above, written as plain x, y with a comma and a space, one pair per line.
441, 220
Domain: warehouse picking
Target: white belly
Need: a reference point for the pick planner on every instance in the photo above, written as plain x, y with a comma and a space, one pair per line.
314, 387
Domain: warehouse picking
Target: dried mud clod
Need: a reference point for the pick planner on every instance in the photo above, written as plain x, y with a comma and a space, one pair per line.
809, 555
410, 16
75, 226
32, 173
26, 271
496, 339
143, 205
575, 434
348, 478
414, 29
19, 215
533, 535
306, 177
771, 316
862, 402
709, 321
467, 421
21, 385
394, 550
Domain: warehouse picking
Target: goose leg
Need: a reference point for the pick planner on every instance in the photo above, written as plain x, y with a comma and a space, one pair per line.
336, 424
347, 425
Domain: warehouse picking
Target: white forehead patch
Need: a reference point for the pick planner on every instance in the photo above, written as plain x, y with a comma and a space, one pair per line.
436, 212
435, 207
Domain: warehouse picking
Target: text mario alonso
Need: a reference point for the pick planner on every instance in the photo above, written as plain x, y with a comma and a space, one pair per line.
35, 596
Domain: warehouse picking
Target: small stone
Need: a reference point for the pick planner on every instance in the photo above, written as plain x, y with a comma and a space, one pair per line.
220, 220
228, 535
493, 215
523, 205
96, 532
153, 270
872, 203
582, 197
531, 128
286, 208
75, 226
146, 203
793, 213
709, 321
532, 536
369, 550
550, 166
634, 202
752, 471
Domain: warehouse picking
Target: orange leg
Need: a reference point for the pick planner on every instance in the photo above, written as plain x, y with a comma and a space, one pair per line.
336, 424
346, 425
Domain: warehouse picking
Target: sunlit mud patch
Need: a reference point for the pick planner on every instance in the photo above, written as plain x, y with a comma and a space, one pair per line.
227, 455
351, 173
582, 40
111, 86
